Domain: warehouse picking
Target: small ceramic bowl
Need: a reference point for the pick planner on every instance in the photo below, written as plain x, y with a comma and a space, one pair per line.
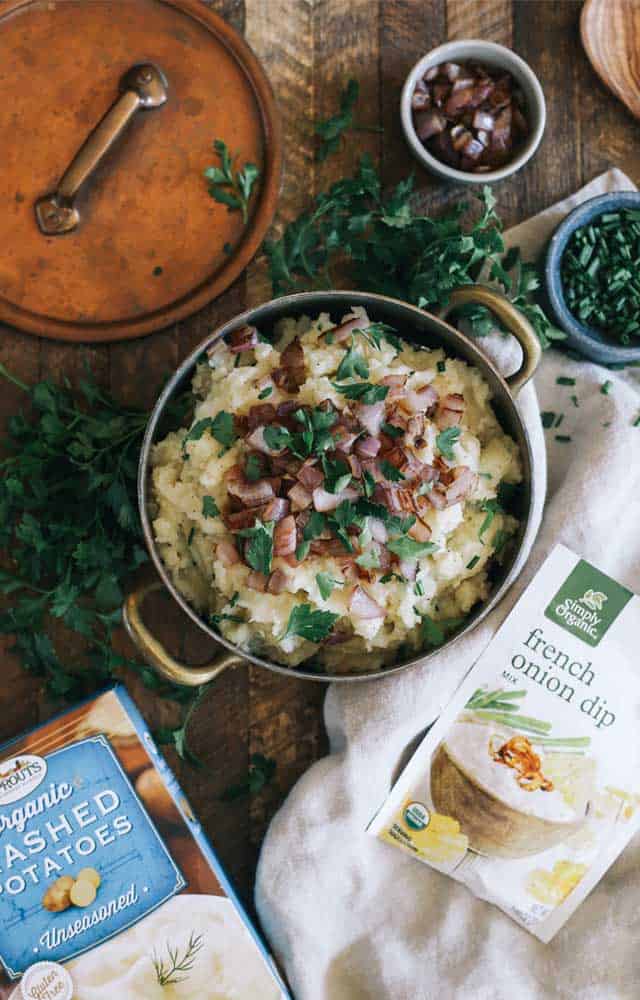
589, 341
492, 55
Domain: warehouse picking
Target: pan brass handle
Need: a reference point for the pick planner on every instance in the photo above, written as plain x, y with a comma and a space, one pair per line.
514, 321
142, 87
157, 656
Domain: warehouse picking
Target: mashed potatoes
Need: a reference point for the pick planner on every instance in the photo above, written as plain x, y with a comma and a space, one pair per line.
337, 494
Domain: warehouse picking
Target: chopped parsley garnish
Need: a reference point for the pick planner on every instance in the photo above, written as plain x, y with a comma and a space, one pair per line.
390, 472
441, 366
407, 548
332, 129
326, 584
259, 549
392, 431
364, 392
277, 438
548, 418
196, 432
309, 624
353, 363
418, 589
369, 559
223, 429
253, 468
313, 439
209, 507
575, 401
375, 333
265, 392
445, 441
337, 474
191, 534
559, 419
370, 483
565, 380
606, 387
312, 529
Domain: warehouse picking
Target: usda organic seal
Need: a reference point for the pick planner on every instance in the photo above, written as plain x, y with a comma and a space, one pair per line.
417, 816
46, 981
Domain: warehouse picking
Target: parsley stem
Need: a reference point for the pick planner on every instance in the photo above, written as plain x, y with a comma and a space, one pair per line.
12, 378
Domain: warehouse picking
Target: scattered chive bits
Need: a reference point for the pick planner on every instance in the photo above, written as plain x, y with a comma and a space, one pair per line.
600, 274
565, 380
606, 387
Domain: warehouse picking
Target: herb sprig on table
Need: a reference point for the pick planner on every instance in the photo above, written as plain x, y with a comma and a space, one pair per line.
69, 523
229, 186
331, 130
379, 242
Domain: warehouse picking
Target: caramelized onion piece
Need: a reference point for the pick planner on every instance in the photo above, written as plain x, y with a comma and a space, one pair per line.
257, 581
252, 494
324, 501
371, 417
367, 447
363, 606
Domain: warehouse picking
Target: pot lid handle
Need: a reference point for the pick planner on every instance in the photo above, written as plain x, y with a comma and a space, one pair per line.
142, 87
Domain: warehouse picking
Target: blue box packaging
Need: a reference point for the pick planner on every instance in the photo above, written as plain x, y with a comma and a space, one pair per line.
108, 885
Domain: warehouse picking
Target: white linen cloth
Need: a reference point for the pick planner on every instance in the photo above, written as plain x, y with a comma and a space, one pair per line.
352, 918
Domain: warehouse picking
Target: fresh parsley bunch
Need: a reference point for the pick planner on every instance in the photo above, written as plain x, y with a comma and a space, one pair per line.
383, 245
70, 526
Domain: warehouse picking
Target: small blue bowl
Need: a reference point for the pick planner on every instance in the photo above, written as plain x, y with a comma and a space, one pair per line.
594, 344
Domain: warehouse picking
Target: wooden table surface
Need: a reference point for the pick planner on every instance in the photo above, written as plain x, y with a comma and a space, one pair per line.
310, 48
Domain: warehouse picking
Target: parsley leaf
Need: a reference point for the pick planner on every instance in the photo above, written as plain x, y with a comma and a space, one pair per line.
314, 527
445, 441
390, 472
223, 429
209, 507
332, 129
253, 468
277, 438
337, 474
353, 363
365, 392
369, 559
261, 772
326, 584
309, 624
259, 549
229, 187
408, 548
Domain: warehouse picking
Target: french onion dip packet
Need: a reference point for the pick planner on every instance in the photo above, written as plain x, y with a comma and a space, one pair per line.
108, 886
527, 787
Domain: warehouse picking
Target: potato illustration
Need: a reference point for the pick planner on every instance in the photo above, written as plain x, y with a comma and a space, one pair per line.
83, 893
57, 897
89, 875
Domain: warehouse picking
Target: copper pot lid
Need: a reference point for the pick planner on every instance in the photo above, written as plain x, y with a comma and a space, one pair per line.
125, 239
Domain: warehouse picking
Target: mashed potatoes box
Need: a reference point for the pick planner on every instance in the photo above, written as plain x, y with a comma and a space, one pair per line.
108, 886
528, 785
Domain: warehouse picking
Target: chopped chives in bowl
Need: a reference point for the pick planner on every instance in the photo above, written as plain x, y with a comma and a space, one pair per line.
600, 271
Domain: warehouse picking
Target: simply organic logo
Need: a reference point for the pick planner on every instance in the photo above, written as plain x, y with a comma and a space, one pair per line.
19, 776
588, 603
